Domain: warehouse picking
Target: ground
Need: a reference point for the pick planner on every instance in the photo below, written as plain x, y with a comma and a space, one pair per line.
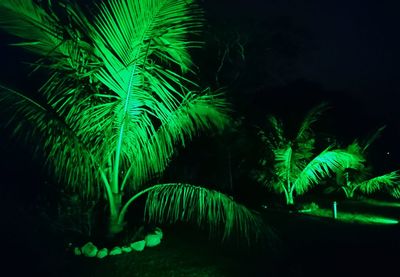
305, 246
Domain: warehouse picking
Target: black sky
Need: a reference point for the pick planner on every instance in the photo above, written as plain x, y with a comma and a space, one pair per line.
349, 45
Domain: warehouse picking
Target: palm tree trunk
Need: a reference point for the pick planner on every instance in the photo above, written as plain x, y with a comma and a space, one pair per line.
114, 225
289, 199
288, 196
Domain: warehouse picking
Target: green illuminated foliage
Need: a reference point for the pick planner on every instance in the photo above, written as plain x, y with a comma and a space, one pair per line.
296, 167
116, 103
355, 178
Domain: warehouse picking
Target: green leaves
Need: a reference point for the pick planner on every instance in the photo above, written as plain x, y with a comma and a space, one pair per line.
357, 176
388, 181
181, 202
323, 165
296, 168
48, 135
25, 19
117, 106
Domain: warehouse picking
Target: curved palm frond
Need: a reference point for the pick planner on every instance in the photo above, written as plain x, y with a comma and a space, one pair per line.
311, 117
151, 149
395, 192
29, 21
69, 159
374, 136
181, 202
321, 166
372, 185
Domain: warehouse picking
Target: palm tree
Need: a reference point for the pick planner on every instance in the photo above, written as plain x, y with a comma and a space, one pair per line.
116, 104
296, 168
358, 177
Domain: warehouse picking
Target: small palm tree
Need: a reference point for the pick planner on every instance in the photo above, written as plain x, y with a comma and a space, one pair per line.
116, 104
354, 178
296, 168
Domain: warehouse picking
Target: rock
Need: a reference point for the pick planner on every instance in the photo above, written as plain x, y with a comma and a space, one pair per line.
89, 250
152, 240
77, 251
159, 232
116, 251
126, 249
102, 253
138, 245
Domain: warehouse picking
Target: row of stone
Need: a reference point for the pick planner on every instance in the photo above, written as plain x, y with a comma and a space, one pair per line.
90, 250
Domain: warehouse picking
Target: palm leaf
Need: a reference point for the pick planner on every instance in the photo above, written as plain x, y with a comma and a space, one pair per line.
150, 152
25, 19
50, 137
322, 166
372, 138
158, 33
181, 202
278, 136
283, 163
311, 117
377, 183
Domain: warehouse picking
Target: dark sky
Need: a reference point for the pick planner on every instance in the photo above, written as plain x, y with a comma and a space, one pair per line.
349, 45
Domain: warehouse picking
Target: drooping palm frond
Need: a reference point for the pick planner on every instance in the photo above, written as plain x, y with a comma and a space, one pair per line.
150, 155
181, 202
29, 21
387, 181
375, 135
321, 166
395, 192
311, 117
64, 153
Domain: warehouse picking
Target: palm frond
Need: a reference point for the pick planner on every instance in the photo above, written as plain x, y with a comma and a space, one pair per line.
375, 135
283, 163
395, 192
377, 183
51, 138
278, 131
157, 36
29, 21
148, 153
322, 166
181, 202
311, 117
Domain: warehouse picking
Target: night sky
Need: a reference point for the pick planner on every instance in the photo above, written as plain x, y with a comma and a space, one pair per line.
296, 54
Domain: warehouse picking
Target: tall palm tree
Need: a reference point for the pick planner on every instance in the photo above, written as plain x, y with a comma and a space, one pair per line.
354, 178
296, 167
116, 104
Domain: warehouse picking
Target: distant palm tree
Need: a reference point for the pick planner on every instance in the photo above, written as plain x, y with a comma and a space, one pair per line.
296, 167
116, 105
354, 178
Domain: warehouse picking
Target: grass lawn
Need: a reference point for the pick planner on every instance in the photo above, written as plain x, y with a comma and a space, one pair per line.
352, 217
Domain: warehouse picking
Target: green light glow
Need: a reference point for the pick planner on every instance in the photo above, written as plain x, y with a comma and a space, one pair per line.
353, 217
116, 107
381, 203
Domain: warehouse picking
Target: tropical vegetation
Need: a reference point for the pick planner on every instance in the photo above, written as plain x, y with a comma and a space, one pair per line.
116, 104
358, 178
296, 165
